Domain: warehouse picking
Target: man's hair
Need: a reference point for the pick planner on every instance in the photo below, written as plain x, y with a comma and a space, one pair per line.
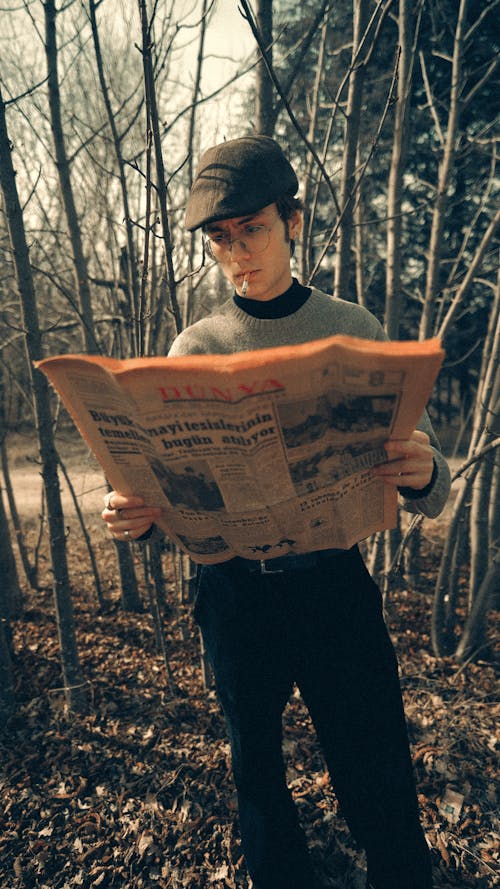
287, 206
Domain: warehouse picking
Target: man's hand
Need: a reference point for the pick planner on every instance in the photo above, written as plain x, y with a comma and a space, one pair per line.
127, 517
410, 463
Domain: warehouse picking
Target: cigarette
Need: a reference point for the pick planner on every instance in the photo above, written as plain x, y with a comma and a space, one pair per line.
244, 286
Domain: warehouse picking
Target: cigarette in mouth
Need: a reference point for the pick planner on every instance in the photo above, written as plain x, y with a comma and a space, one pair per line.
244, 286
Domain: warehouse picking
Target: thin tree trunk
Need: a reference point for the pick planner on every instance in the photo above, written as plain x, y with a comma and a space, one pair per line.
264, 90
74, 685
392, 540
443, 621
432, 286
486, 413
309, 205
150, 564
474, 636
86, 536
161, 186
359, 249
6, 671
480, 508
188, 307
31, 571
407, 44
129, 589
132, 277
63, 170
11, 592
351, 136
494, 510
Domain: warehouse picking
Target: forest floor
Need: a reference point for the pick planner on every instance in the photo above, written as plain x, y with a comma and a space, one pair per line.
138, 792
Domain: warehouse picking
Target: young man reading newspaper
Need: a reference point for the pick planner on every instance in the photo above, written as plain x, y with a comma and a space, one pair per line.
313, 619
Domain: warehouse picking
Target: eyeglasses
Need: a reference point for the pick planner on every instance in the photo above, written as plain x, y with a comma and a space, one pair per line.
255, 239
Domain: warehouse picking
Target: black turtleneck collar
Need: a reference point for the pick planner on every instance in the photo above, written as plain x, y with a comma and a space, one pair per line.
285, 304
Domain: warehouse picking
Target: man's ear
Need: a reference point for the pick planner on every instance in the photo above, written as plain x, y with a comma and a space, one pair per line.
295, 225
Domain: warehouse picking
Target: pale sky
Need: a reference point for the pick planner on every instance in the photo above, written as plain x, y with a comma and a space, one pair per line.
228, 43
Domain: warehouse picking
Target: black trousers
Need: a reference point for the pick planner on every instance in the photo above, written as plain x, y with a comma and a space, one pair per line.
323, 629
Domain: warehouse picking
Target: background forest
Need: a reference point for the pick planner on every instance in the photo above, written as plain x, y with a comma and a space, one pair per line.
117, 764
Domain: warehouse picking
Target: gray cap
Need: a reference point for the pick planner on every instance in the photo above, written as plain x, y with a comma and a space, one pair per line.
238, 177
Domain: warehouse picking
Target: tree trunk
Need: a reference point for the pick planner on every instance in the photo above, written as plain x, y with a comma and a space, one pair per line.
432, 286
407, 41
6, 671
188, 308
132, 278
351, 135
86, 535
63, 169
30, 570
485, 417
130, 598
153, 128
153, 577
309, 204
264, 90
11, 592
74, 684
474, 637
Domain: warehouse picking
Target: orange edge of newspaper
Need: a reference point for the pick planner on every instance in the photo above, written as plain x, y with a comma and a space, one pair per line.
247, 360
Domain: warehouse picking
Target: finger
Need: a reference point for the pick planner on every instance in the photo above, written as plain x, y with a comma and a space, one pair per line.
405, 447
141, 512
120, 520
411, 473
131, 534
406, 480
113, 500
131, 530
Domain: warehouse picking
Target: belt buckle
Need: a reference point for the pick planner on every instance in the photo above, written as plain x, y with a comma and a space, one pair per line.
265, 570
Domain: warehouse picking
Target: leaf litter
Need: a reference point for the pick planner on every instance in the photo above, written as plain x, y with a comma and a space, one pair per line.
138, 792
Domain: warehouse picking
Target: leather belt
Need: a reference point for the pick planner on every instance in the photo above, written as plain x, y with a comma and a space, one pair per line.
290, 562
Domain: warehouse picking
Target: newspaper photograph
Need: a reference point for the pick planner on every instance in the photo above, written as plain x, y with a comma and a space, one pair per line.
254, 454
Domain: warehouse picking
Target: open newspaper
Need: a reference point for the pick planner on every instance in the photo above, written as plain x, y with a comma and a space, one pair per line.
255, 454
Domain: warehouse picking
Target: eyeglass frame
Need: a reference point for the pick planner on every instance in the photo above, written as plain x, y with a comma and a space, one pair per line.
230, 241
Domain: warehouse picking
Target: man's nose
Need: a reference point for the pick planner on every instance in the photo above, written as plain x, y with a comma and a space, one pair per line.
238, 249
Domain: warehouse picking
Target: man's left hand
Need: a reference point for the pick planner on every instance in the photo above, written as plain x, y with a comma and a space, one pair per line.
409, 463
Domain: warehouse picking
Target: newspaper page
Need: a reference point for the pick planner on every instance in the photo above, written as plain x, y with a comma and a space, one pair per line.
255, 454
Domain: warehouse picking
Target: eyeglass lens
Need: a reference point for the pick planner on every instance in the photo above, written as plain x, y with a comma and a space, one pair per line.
252, 242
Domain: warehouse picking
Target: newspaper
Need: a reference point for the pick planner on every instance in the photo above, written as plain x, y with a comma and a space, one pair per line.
255, 454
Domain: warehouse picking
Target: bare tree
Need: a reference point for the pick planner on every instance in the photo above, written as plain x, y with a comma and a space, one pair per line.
129, 257
408, 25
458, 99
154, 138
264, 90
74, 684
351, 137
64, 172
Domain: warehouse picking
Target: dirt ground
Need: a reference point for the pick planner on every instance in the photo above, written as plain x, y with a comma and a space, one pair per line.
86, 477
137, 791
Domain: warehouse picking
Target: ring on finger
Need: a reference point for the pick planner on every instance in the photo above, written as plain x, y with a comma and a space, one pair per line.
127, 534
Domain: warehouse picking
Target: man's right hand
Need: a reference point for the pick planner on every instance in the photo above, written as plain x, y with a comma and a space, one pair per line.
128, 518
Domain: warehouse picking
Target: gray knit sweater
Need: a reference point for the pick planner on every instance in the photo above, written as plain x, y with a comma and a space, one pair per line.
229, 329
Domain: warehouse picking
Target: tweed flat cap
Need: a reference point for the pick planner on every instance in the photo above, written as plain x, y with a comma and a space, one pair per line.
238, 177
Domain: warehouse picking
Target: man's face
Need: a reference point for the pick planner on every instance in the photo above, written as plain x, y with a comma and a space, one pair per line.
267, 270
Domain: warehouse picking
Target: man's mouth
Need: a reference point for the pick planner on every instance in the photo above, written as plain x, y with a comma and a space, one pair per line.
242, 275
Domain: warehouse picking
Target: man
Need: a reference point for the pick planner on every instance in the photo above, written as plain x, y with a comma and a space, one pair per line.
315, 619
